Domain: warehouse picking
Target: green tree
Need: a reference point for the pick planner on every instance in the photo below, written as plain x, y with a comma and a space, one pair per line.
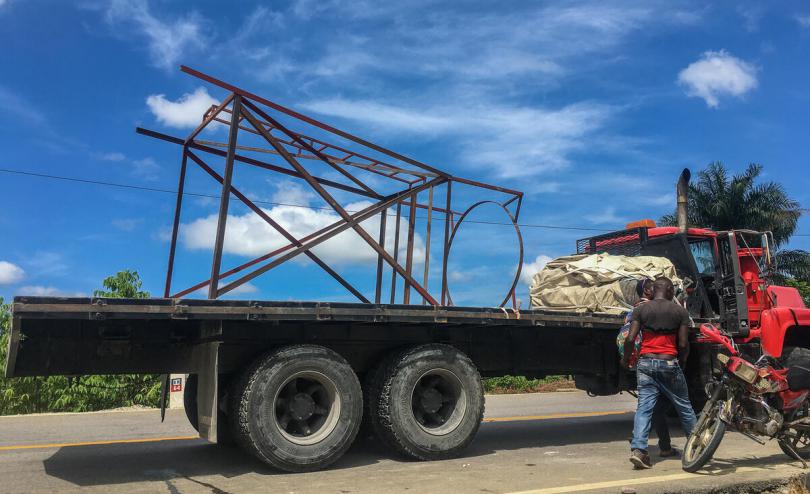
720, 201
61, 394
123, 284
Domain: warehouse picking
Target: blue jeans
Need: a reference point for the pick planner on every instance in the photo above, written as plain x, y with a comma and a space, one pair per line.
655, 377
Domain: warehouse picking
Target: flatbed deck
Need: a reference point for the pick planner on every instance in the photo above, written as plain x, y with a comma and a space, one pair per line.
196, 309
54, 335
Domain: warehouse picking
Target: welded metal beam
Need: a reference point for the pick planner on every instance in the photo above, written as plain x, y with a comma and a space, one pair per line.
325, 195
254, 162
290, 238
176, 224
355, 219
224, 199
410, 177
309, 120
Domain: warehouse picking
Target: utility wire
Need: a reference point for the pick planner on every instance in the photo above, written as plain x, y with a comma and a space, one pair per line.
271, 203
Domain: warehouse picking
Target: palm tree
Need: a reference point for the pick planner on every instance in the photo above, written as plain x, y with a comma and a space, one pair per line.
722, 202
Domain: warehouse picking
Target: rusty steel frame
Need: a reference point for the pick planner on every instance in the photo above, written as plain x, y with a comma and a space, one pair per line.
253, 114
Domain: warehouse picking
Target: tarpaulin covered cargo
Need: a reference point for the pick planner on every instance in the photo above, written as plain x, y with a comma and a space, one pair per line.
596, 282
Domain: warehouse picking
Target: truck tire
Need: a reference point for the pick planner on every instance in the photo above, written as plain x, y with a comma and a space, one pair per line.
794, 355
427, 402
190, 400
297, 408
224, 434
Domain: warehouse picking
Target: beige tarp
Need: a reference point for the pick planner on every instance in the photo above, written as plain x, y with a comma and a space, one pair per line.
595, 283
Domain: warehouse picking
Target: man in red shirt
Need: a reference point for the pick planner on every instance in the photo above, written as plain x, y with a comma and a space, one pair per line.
664, 348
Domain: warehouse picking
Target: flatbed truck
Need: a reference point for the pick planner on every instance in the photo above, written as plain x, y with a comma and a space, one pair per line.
292, 382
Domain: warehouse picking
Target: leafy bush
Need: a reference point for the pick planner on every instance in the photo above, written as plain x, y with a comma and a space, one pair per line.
87, 393
519, 384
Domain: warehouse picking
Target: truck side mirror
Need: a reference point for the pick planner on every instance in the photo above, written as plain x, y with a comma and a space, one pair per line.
766, 247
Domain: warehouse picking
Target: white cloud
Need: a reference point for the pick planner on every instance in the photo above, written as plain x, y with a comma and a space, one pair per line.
45, 263
512, 141
532, 268
10, 273
544, 188
384, 115
457, 276
243, 289
803, 20
186, 112
608, 216
288, 192
249, 235
718, 74
752, 15
47, 291
10, 102
480, 72
126, 224
532, 41
660, 200
146, 168
111, 156
168, 41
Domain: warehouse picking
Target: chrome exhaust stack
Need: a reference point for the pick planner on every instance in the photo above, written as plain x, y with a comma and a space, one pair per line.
682, 191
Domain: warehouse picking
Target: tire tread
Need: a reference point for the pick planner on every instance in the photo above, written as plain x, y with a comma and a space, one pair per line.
379, 402
243, 387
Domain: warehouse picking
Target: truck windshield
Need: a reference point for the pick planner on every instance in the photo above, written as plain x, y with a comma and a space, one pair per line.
704, 256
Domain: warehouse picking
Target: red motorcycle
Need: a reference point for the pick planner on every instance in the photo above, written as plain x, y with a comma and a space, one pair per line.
763, 399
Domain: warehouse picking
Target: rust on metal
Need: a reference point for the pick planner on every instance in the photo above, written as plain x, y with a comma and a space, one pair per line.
360, 170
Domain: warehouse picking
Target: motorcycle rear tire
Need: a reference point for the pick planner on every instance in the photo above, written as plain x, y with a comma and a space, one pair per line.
801, 444
693, 461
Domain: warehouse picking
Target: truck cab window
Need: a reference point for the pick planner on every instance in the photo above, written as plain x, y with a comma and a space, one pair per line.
704, 256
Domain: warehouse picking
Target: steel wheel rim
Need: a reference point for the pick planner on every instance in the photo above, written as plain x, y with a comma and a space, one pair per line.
438, 402
699, 440
799, 440
306, 408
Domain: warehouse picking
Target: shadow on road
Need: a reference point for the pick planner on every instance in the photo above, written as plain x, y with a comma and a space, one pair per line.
164, 461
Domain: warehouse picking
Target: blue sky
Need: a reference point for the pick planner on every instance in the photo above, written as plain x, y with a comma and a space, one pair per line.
592, 108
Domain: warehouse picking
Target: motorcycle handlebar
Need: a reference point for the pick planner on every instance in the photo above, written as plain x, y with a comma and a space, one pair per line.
713, 334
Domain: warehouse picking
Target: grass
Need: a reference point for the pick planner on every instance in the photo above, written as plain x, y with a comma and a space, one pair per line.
521, 384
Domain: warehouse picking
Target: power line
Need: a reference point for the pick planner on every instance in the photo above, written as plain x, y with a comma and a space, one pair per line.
269, 203
273, 203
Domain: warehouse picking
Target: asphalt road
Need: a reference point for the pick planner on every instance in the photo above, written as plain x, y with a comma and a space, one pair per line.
538, 444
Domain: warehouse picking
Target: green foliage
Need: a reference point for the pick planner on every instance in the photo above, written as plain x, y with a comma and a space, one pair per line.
720, 201
792, 264
123, 284
518, 384
63, 394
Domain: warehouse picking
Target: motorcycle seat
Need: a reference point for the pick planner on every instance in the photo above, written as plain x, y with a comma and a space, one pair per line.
798, 377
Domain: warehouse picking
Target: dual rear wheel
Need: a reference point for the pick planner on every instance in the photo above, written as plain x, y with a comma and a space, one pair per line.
299, 408
425, 403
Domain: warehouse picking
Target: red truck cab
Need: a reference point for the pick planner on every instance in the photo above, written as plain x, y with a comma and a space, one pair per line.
727, 277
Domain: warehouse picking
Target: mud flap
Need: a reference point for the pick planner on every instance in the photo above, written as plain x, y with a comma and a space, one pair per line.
207, 389
164, 395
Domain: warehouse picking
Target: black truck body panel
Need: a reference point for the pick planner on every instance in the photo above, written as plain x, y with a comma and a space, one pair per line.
79, 336
74, 336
